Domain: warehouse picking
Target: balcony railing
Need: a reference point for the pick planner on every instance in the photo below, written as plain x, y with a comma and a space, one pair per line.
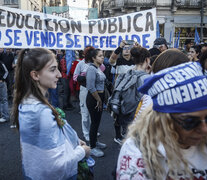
188, 3
116, 4
131, 3
164, 3
140, 3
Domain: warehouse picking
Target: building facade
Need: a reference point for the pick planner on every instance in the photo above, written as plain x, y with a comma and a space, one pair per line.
32, 5
174, 16
10, 3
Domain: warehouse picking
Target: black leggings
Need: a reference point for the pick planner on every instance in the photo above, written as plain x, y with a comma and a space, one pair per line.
121, 124
95, 117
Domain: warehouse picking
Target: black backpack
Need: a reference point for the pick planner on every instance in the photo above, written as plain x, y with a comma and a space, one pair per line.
125, 96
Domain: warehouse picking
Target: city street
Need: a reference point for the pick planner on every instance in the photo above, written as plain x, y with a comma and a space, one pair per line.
10, 158
150, 56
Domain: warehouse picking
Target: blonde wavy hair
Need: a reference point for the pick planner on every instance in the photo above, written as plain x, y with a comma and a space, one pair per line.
151, 129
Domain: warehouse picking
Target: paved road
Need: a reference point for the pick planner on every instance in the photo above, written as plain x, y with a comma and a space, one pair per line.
10, 158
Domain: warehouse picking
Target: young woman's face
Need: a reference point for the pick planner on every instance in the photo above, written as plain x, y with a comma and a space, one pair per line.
48, 76
99, 58
193, 53
197, 128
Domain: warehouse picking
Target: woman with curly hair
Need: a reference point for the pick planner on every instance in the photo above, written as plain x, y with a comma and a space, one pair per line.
169, 141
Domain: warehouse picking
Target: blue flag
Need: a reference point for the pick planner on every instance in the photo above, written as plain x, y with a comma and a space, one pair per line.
158, 30
175, 41
197, 38
170, 40
69, 57
178, 40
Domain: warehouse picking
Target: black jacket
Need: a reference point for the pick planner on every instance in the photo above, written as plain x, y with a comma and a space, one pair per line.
3, 71
7, 59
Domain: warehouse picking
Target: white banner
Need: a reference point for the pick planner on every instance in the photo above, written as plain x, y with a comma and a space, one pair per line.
29, 29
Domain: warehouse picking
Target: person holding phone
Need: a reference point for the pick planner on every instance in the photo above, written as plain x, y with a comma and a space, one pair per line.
122, 61
121, 58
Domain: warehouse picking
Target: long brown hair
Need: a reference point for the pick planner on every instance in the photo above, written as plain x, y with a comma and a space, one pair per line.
34, 59
169, 58
139, 55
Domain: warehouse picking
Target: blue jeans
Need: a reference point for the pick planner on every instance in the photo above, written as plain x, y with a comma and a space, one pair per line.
73, 177
4, 111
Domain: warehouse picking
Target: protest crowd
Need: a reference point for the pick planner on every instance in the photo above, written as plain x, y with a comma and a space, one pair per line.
115, 81
156, 96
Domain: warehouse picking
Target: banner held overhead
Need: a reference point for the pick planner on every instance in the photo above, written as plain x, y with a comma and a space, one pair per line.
23, 29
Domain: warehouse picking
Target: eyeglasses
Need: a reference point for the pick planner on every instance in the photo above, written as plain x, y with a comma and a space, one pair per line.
127, 48
189, 123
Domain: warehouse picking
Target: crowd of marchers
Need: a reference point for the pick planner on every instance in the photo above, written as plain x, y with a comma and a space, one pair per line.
157, 97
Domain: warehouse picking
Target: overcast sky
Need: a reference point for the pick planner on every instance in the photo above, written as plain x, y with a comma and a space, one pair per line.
78, 9
78, 3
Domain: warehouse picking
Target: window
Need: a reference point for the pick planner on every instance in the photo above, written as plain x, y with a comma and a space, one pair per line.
189, 33
11, 2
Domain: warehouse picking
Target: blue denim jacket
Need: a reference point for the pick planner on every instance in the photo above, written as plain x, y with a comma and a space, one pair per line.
48, 151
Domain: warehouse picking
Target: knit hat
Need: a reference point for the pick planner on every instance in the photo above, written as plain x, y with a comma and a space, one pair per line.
177, 89
160, 41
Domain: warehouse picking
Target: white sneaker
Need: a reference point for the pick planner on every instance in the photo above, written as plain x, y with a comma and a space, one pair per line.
97, 152
2, 120
100, 145
118, 140
13, 126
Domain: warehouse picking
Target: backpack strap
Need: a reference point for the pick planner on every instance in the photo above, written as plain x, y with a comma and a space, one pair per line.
119, 80
133, 78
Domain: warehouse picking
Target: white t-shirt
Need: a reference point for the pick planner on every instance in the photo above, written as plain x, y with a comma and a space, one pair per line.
130, 165
146, 101
123, 65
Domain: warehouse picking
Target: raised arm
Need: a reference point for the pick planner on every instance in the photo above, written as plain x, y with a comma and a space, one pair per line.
115, 54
